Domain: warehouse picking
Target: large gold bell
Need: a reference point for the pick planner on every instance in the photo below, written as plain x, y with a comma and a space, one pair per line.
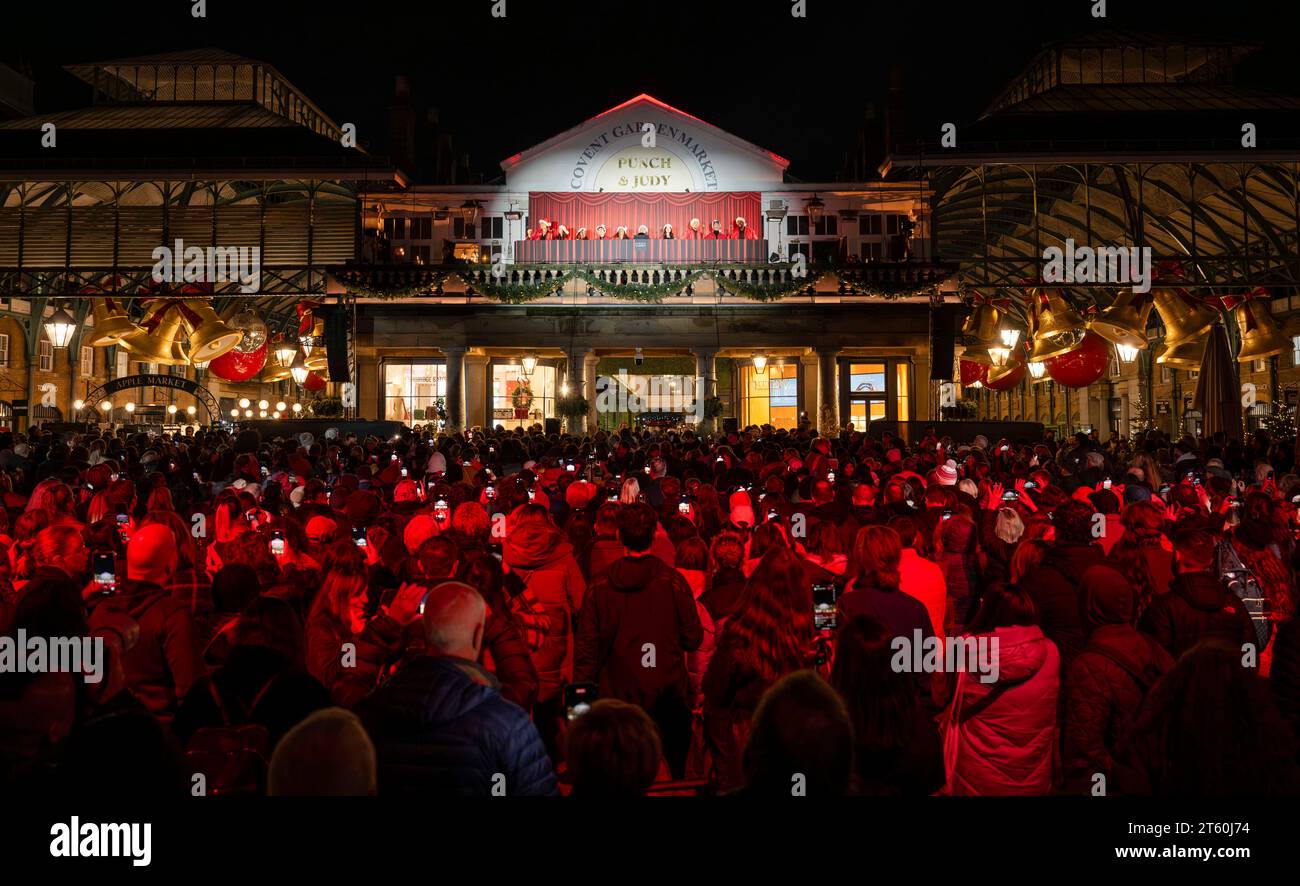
1260, 337
1183, 355
1183, 318
161, 346
1058, 318
111, 323
273, 374
211, 337
1125, 322
1046, 346
982, 323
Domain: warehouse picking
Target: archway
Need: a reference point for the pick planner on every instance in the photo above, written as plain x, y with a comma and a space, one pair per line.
151, 380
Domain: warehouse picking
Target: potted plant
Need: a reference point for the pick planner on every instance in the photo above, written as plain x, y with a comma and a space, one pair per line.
572, 406
326, 407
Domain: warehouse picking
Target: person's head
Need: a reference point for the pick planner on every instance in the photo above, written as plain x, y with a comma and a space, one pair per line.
1008, 526
606, 526
1143, 521
1028, 556
1194, 550
329, 754
824, 540
1004, 606
636, 526
454, 616
62, 547
773, 622
800, 741
906, 529
1073, 522
692, 554
728, 551
1107, 597
470, 520
438, 557
613, 750
343, 591
877, 553
151, 555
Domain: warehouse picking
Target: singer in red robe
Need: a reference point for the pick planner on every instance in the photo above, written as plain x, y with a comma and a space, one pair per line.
741, 230
715, 231
693, 231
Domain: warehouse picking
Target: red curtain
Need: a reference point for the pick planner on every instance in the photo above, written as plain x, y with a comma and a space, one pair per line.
578, 209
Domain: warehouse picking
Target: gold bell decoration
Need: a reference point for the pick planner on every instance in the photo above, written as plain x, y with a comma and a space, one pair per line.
1058, 328
157, 341
111, 322
209, 336
983, 322
1260, 337
1124, 323
1184, 354
1184, 317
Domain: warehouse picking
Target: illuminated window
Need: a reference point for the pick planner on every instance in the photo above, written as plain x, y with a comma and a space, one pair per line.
412, 391
771, 397
87, 361
46, 355
506, 378
902, 397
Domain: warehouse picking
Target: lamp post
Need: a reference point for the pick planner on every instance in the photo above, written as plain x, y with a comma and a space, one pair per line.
60, 327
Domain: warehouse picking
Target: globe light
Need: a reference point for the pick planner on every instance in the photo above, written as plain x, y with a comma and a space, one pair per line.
248, 413
234, 413
106, 406
262, 414
263, 405
244, 402
171, 409
130, 407
78, 405
297, 407
280, 407
275, 415
190, 410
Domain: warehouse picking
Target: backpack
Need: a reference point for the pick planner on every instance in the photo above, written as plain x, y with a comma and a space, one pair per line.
232, 759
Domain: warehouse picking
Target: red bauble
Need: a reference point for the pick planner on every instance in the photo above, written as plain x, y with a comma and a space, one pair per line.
234, 366
1008, 381
972, 372
1082, 366
314, 382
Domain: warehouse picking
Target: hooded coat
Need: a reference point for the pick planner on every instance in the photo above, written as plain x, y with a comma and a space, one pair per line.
441, 728
639, 600
1007, 747
1054, 587
1197, 607
543, 560
1108, 680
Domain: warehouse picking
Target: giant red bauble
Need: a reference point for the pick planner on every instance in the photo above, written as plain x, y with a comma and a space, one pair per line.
1008, 381
972, 372
314, 382
234, 366
1082, 366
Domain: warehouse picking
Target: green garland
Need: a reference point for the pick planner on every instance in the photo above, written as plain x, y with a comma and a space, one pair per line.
517, 293
571, 406
766, 292
648, 293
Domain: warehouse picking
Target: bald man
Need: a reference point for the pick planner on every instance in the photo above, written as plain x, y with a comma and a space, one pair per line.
441, 726
328, 754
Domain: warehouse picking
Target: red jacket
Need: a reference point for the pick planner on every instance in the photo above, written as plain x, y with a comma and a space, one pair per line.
1007, 747
541, 557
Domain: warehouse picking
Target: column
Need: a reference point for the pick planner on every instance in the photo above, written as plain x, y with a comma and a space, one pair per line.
455, 387
828, 390
705, 384
589, 364
577, 377
478, 389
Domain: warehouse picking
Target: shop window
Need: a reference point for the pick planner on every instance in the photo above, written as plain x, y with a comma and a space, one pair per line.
770, 397
413, 392
506, 378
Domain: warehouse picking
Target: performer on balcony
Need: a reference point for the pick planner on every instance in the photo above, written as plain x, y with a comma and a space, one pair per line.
620, 233
600, 232
561, 233
580, 234
667, 233
715, 231
643, 233
545, 230
742, 231
693, 230
531, 234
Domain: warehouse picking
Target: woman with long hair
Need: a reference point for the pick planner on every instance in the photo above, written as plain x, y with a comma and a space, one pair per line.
1141, 555
56, 499
1029, 555
339, 615
874, 588
505, 652
897, 749
1259, 542
190, 583
825, 550
769, 635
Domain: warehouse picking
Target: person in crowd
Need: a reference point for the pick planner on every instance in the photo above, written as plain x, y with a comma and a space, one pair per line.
801, 726
767, 636
1054, 585
1000, 729
440, 725
896, 742
1199, 605
328, 754
875, 588
636, 626
613, 752
166, 661
1108, 680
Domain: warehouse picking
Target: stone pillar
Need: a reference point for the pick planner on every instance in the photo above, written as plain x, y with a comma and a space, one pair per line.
589, 364
478, 389
455, 387
705, 384
828, 390
577, 378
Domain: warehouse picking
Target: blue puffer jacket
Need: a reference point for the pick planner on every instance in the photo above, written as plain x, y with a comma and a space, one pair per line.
441, 728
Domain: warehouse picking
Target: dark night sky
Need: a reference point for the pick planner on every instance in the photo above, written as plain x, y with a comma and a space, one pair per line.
503, 85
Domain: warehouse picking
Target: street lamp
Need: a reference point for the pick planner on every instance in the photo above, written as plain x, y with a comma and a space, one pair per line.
299, 369
1037, 369
1127, 353
285, 350
760, 364
815, 208
1010, 337
60, 327
529, 364
469, 212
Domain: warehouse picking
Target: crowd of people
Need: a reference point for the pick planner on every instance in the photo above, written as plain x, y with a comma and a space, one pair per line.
506, 612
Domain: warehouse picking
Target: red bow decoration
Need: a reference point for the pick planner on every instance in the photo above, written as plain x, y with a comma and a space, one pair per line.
979, 299
1232, 301
307, 316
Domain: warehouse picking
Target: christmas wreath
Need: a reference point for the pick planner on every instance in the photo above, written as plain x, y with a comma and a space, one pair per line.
522, 396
